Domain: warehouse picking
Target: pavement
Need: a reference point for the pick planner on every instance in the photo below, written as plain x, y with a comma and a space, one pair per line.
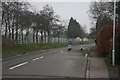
98, 68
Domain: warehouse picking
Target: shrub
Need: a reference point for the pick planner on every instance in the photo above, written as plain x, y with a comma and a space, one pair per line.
6, 42
104, 38
117, 48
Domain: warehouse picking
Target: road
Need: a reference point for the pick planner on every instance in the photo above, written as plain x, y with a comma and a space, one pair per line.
57, 62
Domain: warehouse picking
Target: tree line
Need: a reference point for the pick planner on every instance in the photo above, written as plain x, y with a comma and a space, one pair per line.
19, 22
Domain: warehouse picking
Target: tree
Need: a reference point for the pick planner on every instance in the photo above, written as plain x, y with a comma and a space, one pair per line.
102, 13
117, 48
11, 14
74, 29
18, 22
25, 24
118, 12
92, 33
49, 19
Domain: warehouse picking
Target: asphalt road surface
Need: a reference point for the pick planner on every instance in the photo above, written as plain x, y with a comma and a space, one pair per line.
57, 62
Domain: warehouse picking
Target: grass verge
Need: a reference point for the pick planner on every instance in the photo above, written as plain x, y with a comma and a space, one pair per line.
108, 62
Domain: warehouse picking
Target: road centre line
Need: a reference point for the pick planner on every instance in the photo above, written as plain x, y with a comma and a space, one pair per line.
21, 64
41, 57
38, 58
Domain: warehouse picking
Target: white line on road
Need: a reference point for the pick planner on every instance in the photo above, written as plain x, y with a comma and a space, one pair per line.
61, 51
38, 58
87, 74
42, 57
18, 65
86, 55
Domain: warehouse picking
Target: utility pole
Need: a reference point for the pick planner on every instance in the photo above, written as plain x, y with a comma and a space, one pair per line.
113, 51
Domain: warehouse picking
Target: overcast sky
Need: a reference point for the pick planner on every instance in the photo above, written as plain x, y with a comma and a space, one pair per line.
66, 10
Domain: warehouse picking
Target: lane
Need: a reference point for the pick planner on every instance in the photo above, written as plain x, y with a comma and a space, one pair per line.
60, 64
27, 57
55, 62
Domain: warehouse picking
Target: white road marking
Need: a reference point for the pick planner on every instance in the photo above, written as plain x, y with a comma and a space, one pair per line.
87, 74
86, 55
18, 65
38, 58
61, 51
42, 57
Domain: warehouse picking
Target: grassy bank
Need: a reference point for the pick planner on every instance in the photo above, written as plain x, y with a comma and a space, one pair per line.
23, 48
108, 62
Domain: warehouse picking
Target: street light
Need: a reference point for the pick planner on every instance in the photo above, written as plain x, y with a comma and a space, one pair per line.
113, 51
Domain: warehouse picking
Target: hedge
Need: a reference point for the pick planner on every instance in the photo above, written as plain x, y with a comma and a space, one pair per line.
104, 38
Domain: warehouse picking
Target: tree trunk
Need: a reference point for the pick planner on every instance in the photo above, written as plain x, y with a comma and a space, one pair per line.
37, 37
13, 29
6, 28
33, 35
45, 37
41, 36
28, 35
49, 37
16, 36
22, 36
9, 35
58, 37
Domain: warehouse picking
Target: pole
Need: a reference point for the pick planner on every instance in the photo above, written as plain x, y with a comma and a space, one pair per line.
113, 51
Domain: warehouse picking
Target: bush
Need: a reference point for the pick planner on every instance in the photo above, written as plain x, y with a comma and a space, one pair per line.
117, 48
6, 42
104, 39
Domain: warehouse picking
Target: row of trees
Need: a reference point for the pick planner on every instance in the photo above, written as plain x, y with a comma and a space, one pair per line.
19, 22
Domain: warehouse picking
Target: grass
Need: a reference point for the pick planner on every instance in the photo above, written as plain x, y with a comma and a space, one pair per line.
23, 48
117, 68
108, 62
